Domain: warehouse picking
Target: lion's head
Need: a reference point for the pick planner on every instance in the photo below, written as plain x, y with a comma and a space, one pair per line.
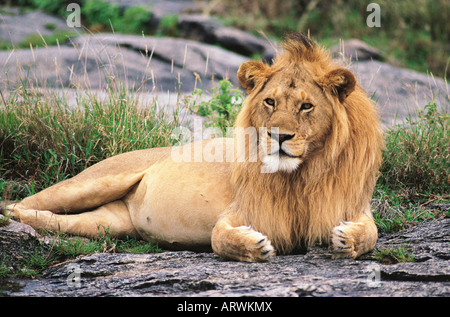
321, 147
295, 100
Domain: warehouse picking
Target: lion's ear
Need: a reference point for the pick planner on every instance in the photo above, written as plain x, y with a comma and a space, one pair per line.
340, 82
251, 73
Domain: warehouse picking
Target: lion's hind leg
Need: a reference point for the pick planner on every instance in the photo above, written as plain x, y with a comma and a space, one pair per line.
113, 217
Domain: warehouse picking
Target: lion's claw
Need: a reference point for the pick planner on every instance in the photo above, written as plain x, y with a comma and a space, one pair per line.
255, 247
242, 243
342, 243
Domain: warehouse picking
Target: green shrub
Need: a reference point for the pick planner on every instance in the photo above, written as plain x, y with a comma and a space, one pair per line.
223, 106
52, 6
100, 13
135, 20
168, 25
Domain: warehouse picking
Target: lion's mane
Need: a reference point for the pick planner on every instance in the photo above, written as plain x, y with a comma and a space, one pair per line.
302, 207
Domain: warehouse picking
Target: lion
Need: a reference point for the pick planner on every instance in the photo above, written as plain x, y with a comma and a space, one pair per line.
319, 146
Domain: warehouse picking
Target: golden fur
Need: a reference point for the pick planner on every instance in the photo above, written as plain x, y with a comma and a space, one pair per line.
335, 181
313, 179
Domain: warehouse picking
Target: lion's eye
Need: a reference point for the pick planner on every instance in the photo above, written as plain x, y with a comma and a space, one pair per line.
306, 106
269, 101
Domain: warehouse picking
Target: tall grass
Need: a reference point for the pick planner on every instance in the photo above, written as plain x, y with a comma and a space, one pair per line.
43, 140
417, 155
414, 181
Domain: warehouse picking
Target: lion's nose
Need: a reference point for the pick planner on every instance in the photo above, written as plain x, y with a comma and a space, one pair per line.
280, 137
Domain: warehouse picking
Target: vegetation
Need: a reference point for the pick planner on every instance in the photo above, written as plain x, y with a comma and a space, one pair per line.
413, 33
43, 141
36, 40
105, 16
223, 106
415, 170
393, 255
168, 26
66, 247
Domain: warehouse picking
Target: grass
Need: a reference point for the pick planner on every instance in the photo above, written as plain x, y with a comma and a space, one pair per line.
418, 154
43, 140
415, 171
394, 255
65, 247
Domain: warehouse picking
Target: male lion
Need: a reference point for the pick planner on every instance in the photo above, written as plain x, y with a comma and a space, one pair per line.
320, 149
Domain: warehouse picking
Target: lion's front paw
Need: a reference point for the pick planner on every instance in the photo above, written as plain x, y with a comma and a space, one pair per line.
242, 244
255, 247
343, 240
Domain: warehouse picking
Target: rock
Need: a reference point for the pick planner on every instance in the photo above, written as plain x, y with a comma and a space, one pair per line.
399, 92
155, 64
19, 242
198, 27
16, 27
163, 7
209, 30
315, 274
356, 50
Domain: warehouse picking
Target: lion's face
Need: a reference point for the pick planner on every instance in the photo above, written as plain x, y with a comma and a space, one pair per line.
297, 116
295, 107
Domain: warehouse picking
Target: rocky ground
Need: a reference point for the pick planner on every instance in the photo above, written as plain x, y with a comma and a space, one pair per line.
160, 66
185, 273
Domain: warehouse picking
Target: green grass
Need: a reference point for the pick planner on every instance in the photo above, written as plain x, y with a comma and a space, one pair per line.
415, 171
36, 40
44, 141
393, 255
70, 247
417, 154
66, 247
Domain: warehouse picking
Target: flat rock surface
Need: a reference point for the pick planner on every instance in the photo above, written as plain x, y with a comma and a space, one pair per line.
315, 274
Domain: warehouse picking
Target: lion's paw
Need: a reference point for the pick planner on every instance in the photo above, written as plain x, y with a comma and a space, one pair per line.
343, 240
253, 245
